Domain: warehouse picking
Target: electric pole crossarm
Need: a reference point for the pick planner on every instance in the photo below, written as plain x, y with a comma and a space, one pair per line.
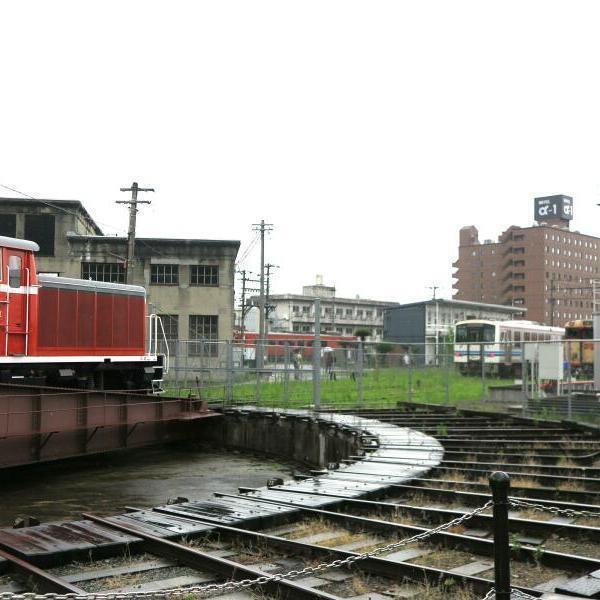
133, 203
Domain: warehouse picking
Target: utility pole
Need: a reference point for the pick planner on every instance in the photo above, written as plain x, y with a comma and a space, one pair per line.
333, 312
134, 189
262, 227
434, 289
268, 307
244, 307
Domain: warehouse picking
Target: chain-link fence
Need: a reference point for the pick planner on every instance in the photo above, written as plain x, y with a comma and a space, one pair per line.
533, 376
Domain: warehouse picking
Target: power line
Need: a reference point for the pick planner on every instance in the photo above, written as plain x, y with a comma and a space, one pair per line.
61, 208
245, 254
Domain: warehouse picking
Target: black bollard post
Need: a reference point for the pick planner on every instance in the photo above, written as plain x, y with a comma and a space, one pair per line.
500, 484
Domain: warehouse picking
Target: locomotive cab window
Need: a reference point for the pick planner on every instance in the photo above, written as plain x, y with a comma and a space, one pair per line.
14, 271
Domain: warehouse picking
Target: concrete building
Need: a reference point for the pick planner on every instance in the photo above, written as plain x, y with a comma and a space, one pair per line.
428, 324
342, 316
546, 268
189, 281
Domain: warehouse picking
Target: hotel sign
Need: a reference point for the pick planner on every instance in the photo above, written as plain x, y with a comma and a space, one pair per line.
549, 207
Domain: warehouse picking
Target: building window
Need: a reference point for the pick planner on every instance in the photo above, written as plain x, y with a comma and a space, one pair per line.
348, 312
369, 314
110, 272
305, 309
8, 225
206, 275
339, 312
40, 229
206, 329
164, 274
348, 331
295, 309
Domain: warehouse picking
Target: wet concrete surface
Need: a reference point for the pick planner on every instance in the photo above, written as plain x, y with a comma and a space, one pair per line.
141, 478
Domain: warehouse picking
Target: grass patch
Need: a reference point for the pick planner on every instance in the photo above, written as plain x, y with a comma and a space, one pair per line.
382, 387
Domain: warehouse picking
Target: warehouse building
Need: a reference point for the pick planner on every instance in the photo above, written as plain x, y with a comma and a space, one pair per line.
546, 268
189, 281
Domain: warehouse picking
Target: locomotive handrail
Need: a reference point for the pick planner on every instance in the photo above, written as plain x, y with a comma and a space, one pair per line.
7, 310
27, 313
153, 323
168, 352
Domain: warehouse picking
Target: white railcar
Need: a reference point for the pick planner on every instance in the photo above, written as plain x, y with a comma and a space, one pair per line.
498, 343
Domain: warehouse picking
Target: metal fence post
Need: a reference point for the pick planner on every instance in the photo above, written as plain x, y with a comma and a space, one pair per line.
448, 363
257, 372
482, 357
286, 374
185, 367
229, 372
410, 373
176, 344
500, 485
317, 356
360, 358
200, 377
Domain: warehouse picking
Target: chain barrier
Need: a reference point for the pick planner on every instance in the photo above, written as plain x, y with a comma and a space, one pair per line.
232, 586
568, 512
514, 593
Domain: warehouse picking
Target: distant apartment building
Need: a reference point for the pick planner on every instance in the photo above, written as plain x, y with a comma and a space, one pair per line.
423, 325
546, 268
189, 281
342, 316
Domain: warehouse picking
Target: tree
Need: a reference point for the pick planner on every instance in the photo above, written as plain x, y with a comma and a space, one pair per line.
384, 348
362, 333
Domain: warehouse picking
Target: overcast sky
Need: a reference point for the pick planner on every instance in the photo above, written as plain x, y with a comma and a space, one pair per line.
367, 132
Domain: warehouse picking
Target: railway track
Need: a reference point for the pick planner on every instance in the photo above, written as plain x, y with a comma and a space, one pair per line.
398, 486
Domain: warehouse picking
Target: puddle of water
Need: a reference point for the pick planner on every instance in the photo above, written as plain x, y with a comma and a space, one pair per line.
140, 478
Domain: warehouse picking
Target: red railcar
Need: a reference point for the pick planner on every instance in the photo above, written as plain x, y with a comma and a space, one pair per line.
275, 345
60, 331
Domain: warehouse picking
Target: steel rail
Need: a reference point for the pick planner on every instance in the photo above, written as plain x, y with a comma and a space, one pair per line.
521, 442
586, 472
454, 540
476, 497
546, 459
540, 477
391, 569
529, 526
546, 493
196, 559
44, 582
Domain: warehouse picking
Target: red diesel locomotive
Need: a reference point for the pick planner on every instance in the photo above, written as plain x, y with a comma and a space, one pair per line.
73, 332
